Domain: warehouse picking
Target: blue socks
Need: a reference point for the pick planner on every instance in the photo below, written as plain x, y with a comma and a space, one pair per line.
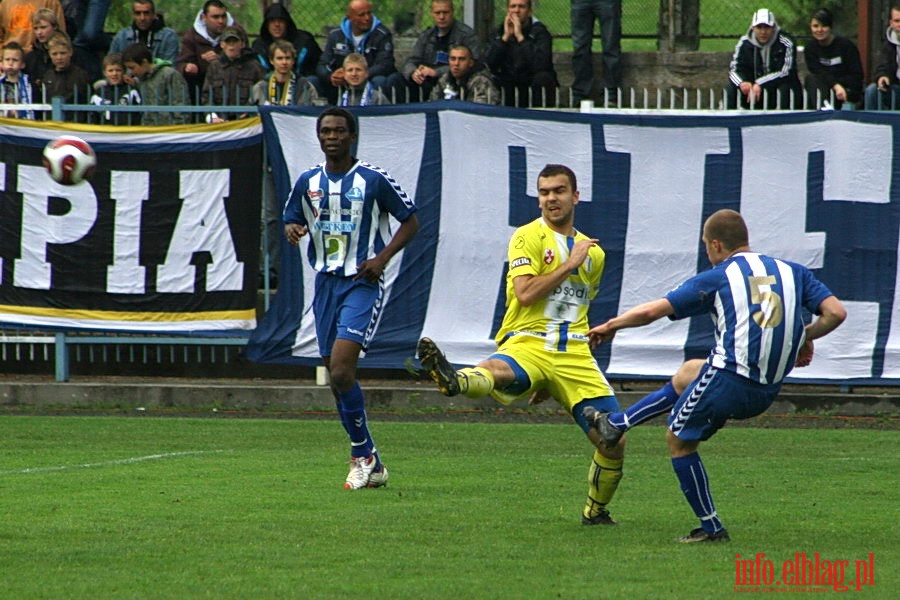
695, 485
659, 402
352, 410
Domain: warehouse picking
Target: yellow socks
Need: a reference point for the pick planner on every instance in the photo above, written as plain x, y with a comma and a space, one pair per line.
475, 382
603, 479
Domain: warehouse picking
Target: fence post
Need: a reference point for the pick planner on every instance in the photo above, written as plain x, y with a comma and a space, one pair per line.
56, 102
679, 25
61, 351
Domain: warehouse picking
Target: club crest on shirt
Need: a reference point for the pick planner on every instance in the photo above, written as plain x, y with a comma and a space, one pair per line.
354, 194
549, 255
315, 199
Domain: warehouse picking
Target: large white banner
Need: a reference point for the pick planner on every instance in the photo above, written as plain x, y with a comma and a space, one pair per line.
816, 188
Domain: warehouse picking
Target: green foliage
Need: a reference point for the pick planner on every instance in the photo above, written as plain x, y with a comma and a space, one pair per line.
253, 508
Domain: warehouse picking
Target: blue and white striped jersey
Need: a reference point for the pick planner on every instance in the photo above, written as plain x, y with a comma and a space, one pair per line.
347, 214
756, 304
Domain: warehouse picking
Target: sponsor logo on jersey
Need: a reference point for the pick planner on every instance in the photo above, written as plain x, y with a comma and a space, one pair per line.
519, 262
354, 194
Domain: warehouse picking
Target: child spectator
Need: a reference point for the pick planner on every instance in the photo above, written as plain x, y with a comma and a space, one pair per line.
159, 84
15, 87
357, 89
65, 80
113, 89
230, 78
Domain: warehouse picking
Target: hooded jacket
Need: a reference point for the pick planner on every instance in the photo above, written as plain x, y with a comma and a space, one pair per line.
196, 42
308, 51
768, 65
164, 86
889, 65
377, 45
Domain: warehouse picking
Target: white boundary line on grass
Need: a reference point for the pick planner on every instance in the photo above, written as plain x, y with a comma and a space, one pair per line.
108, 463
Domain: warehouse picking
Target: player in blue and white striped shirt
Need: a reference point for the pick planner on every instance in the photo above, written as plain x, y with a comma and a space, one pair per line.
756, 303
344, 205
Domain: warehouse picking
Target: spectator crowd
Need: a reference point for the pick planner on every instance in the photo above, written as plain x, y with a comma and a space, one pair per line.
57, 48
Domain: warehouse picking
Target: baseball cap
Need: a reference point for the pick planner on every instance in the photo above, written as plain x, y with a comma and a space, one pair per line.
763, 16
232, 33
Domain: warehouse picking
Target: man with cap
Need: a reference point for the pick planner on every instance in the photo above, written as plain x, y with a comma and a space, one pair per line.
763, 72
231, 77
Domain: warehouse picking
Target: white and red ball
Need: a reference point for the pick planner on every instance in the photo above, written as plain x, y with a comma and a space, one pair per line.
69, 160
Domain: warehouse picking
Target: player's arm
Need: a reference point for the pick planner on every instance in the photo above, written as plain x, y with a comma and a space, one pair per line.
372, 269
534, 288
831, 314
638, 316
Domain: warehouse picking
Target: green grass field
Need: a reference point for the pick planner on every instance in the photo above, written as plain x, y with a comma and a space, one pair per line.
112, 507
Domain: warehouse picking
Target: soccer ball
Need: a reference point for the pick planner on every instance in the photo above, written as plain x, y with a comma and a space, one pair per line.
69, 160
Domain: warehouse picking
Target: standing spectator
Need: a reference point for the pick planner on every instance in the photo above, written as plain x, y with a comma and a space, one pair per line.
521, 58
430, 57
158, 83
66, 80
609, 14
278, 25
114, 90
148, 29
834, 65
357, 89
885, 92
282, 87
344, 205
465, 80
16, 20
15, 86
200, 45
363, 33
87, 26
763, 72
231, 77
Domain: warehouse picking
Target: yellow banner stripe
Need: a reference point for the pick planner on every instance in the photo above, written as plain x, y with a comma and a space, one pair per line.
117, 315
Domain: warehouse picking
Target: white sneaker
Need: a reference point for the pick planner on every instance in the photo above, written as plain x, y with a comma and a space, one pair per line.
378, 478
360, 471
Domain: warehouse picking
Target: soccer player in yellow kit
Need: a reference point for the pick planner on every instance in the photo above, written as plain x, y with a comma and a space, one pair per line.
542, 348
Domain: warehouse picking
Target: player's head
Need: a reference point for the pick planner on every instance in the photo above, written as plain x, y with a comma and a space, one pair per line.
723, 233
550, 170
336, 130
557, 197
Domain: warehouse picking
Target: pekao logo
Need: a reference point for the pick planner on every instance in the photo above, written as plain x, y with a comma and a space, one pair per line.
802, 574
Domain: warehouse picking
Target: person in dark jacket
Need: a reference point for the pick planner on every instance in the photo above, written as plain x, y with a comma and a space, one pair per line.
66, 80
521, 58
430, 57
884, 94
278, 25
230, 79
360, 32
763, 72
200, 45
835, 69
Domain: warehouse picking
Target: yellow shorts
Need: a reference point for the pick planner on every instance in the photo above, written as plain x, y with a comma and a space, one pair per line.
570, 376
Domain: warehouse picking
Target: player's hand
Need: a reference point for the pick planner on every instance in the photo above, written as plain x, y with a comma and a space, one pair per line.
600, 334
538, 397
805, 355
371, 270
293, 232
579, 252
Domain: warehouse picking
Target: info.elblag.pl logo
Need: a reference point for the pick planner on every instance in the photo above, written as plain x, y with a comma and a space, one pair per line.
802, 574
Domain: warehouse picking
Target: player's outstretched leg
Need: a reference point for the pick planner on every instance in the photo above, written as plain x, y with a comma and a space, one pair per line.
438, 367
600, 421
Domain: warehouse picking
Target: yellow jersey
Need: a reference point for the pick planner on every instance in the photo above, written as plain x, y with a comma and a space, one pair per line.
560, 318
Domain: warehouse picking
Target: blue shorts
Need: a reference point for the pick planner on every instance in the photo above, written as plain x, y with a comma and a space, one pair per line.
345, 310
714, 397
